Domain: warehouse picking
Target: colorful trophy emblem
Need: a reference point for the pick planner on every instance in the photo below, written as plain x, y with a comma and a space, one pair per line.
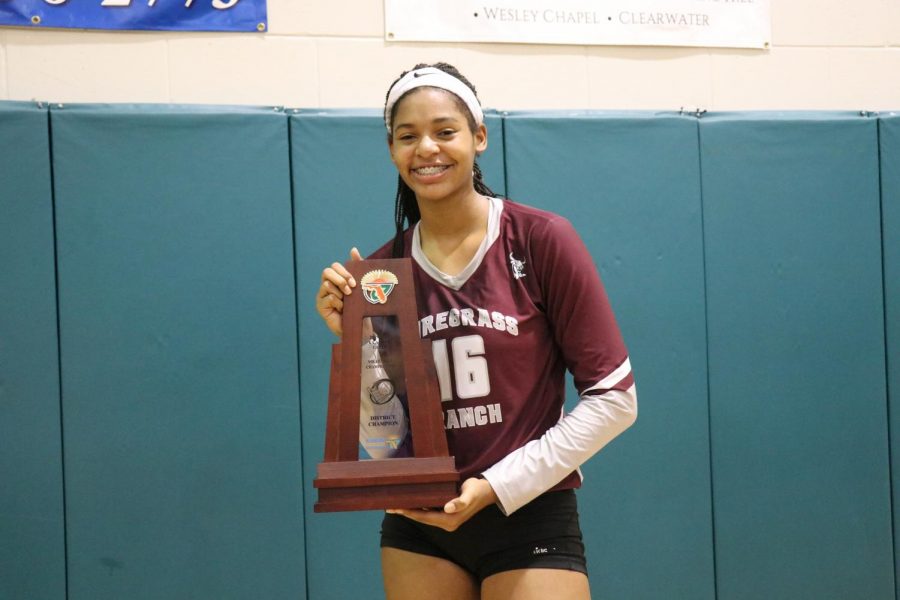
378, 285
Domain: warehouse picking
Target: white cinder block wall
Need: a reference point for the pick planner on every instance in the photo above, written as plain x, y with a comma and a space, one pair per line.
825, 54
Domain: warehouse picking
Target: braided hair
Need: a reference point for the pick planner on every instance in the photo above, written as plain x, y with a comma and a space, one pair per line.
406, 208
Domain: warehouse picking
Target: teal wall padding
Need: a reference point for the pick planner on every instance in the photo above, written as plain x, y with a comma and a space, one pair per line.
344, 189
32, 535
796, 356
630, 184
750, 258
178, 353
889, 130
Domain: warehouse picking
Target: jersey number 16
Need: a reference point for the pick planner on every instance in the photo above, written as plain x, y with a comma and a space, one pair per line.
470, 367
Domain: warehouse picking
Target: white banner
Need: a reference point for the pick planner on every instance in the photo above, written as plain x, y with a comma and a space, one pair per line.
711, 23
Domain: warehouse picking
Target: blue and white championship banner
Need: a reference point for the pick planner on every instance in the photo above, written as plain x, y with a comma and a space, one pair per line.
172, 15
706, 23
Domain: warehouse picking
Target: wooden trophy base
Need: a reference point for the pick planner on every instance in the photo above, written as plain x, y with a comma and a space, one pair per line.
384, 484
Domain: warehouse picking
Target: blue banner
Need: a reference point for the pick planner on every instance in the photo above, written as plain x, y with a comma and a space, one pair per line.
173, 15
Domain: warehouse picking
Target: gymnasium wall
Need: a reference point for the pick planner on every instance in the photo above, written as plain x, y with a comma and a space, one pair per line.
824, 54
163, 373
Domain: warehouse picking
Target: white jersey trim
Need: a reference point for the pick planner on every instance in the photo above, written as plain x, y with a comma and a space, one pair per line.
455, 282
611, 380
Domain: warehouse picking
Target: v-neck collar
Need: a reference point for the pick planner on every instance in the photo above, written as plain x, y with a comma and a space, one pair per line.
456, 282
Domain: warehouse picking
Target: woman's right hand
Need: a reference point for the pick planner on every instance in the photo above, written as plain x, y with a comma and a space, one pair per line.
336, 283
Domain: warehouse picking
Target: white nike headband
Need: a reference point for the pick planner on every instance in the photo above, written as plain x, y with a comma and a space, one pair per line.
431, 77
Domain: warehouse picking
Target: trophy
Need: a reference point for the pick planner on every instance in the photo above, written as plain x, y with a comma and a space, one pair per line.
410, 465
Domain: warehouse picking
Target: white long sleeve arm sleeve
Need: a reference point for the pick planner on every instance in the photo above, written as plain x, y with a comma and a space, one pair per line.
540, 464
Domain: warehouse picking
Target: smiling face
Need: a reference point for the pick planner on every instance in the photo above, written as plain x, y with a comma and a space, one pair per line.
433, 146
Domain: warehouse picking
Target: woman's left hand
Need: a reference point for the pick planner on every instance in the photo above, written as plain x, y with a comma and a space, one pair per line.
474, 495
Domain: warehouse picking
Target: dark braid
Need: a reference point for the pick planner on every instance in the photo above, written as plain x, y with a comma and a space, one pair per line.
480, 186
406, 207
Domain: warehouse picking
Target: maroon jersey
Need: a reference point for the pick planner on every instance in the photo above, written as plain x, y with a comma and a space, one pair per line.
529, 306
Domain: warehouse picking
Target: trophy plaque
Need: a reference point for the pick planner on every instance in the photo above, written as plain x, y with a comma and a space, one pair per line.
426, 475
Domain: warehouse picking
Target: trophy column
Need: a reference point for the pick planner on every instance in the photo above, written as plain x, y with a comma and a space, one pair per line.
428, 478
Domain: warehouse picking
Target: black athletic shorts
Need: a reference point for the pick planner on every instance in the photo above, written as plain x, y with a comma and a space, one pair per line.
543, 534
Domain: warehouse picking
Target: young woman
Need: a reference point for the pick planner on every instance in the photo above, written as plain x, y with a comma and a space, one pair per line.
510, 298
